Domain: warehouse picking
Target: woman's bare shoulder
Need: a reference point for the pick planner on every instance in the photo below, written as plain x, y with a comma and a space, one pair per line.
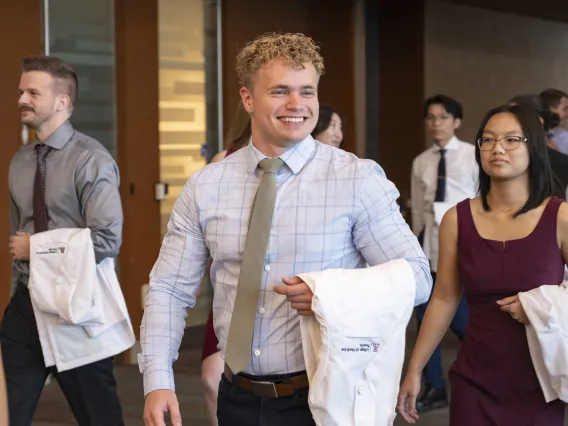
563, 216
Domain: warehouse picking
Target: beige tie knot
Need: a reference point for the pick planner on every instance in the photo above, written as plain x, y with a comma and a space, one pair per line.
271, 165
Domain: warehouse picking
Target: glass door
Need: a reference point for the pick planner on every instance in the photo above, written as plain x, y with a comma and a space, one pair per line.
82, 34
187, 90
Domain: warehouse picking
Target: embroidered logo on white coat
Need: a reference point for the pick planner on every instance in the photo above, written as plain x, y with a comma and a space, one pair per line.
363, 347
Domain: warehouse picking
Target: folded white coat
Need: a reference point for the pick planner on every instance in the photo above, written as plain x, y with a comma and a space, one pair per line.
546, 309
354, 346
78, 304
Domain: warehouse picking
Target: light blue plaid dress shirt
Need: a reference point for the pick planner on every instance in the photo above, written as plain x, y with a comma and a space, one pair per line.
333, 210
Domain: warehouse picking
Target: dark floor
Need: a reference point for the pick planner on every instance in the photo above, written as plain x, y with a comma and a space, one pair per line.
53, 409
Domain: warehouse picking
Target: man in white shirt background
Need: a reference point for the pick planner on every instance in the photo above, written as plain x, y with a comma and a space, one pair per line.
442, 176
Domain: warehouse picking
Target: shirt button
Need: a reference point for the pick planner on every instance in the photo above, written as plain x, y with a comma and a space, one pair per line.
262, 310
257, 352
361, 390
267, 268
59, 280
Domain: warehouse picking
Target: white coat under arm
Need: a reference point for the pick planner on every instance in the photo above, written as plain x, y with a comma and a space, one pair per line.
354, 346
546, 308
79, 307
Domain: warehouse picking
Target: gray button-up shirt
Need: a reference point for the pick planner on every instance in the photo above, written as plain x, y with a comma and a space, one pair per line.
81, 191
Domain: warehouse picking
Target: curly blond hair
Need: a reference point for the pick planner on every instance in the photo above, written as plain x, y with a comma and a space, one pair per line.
296, 49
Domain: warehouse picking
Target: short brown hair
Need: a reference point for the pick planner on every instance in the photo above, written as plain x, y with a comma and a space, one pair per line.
296, 49
58, 69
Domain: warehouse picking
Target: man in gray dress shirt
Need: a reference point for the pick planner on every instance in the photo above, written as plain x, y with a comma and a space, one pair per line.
65, 180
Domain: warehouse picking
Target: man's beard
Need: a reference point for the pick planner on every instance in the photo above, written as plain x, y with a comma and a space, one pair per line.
33, 122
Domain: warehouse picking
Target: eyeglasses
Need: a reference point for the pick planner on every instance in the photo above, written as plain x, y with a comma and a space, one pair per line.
509, 143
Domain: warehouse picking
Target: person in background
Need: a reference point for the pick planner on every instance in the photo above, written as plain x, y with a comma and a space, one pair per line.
510, 239
556, 101
64, 180
212, 364
443, 175
549, 120
238, 134
329, 128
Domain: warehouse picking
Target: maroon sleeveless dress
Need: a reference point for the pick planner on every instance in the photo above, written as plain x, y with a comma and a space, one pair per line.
493, 381
210, 341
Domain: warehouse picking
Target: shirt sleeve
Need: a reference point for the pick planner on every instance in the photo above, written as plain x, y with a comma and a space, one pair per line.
174, 280
97, 186
381, 233
474, 176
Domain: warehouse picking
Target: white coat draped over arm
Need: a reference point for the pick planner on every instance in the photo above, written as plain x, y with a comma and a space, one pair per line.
79, 307
546, 308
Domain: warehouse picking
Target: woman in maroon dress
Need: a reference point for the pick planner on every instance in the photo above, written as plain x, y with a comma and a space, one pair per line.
211, 362
512, 238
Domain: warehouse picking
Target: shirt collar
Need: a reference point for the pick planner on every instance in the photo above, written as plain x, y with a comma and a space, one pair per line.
295, 158
60, 137
452, 145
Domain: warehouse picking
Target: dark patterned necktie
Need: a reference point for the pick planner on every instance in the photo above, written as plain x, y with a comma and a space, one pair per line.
40, 207
441, 185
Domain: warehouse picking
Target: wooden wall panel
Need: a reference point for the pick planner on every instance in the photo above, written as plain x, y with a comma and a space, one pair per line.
331, 24
22, 20
484, 69
550, 10
401, 89
138, 144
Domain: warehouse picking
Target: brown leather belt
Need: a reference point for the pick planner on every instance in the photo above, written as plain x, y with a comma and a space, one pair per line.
284, 387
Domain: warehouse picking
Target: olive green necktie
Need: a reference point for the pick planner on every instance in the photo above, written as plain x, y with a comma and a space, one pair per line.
239, 343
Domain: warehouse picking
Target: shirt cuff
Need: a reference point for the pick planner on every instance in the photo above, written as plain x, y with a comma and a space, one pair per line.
158, 380
157, 377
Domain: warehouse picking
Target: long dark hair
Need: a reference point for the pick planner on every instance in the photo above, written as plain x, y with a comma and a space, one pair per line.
541, 180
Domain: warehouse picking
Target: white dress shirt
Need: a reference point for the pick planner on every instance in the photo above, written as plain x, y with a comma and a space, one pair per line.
560, 136
462, 174
354, 346
333, 210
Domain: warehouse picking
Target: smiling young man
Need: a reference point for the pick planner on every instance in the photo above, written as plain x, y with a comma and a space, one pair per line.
281, 206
